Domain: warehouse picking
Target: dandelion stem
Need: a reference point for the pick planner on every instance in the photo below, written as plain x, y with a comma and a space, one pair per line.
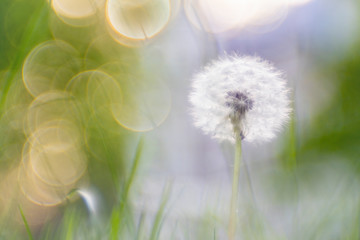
235, 188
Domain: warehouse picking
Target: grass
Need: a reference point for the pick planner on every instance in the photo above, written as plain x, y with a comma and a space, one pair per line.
28, 230
36, 28
155, 232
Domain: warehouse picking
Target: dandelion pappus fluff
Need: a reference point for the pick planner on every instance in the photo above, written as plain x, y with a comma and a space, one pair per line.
240, 93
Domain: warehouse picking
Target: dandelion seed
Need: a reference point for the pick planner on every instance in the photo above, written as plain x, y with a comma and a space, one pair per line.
240, 94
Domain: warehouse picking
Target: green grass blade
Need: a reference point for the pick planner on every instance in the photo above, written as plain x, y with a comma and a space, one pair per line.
118, 212
26, 224
115, 224
70, 227
155, 232
140, 226
134, 168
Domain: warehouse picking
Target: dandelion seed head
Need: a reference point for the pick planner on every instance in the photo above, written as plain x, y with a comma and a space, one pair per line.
240, 92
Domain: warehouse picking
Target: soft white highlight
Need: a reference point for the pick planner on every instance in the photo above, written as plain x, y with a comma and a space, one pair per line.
90, 199
246, 86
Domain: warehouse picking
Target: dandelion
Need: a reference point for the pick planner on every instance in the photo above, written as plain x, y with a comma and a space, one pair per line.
239, 98
245, 93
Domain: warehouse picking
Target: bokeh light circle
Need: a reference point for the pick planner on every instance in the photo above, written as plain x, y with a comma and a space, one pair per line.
76, 12
55, 157
50, 107
218, 16
146, 105
43, 68
97, 88
138, 19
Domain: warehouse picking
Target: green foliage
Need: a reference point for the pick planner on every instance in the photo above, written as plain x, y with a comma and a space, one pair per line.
28, 230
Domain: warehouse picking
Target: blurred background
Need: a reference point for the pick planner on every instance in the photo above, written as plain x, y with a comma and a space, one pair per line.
96, 140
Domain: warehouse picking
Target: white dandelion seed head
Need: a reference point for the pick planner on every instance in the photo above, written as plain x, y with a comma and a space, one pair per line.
240, 92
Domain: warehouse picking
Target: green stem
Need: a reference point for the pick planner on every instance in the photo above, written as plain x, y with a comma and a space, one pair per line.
235, 189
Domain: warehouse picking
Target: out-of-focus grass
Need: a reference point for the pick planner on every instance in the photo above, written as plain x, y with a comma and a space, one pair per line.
118, 213
77, 224
159, 215
337, 130
36, 30
31, 21
121, 224
28, 230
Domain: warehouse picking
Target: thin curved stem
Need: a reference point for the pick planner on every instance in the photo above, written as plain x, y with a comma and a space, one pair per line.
235, 189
